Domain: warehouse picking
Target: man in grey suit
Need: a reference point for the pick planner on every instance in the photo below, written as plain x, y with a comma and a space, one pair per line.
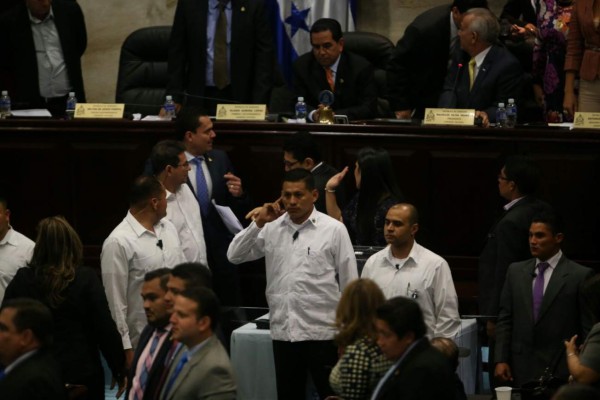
202, 369
540, 306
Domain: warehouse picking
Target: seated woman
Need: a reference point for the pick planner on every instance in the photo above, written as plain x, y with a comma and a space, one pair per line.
584, 366
83, 326
361, 364
377, 192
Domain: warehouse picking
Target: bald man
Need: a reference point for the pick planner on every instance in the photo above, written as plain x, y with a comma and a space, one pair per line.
405, 268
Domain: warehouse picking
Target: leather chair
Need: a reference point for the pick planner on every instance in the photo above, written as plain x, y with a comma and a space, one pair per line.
143, 77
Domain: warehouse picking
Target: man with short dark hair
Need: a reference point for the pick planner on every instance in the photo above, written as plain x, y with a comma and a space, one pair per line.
15, 248
171, 167
420, 60
309, 260
155, 348
30, 372
541, 305
486, 73
202, 369
142, 242
300, 150
328, 67
185, 276
419, 370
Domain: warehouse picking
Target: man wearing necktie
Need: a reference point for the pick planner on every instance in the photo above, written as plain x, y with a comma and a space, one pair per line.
485, 73
540, 306
328, 67
201, 369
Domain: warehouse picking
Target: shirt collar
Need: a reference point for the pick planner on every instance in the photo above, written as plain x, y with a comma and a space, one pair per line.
215, 4
552, 261
313, 219
334, 66
9, 238
316, 166
139, 228
19, 360
481, 56
512, 204
36, 21
414, 254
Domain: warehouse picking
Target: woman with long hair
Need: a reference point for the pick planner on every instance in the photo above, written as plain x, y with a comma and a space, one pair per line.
377, 191
82, 321
361, 363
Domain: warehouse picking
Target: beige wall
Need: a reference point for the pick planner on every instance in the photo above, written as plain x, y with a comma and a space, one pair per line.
109, 22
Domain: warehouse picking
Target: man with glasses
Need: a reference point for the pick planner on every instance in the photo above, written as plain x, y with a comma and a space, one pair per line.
349, 76
171, 167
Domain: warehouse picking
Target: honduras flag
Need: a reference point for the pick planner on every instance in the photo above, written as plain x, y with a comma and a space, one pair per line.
292, 20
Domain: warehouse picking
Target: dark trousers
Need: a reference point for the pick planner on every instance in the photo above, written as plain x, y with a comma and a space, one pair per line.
293, 360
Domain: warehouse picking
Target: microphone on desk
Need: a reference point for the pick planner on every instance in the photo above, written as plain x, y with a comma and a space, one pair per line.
295, 236
454, 96
159, 244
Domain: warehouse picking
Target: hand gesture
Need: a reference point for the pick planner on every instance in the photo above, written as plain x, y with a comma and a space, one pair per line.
234, 184
269, 212
336, 180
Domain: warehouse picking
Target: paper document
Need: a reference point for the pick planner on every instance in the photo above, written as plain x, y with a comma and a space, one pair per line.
38, 112
231, 222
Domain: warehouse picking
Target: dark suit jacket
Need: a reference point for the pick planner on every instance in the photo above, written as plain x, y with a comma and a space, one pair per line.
499, 78
251, 51
36, 378
424, 374
216, 235
18, 57
417, 69
321, 176
506, 243
530, 346
355, 90
155, 383
82, 326
519, 12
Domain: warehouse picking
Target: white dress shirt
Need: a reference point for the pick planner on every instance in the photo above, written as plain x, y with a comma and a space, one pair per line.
16, 250
425, 277
302, 273
184, 212
129, 252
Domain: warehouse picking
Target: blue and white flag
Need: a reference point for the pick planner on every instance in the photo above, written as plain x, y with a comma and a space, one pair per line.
292, 20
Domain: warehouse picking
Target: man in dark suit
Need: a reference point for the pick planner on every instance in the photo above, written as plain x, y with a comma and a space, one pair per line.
541, 305
30, 372
507, 240
301, 151
418, 66
486, 73
328, 67
216, 182
155, 348
42, 45
245, 45
202, 369
420, 371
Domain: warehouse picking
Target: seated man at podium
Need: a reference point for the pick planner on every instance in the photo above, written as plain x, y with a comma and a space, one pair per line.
486, 73
328, 67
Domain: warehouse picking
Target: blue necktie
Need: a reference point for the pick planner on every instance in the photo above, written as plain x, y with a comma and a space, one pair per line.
176, 372
201, 186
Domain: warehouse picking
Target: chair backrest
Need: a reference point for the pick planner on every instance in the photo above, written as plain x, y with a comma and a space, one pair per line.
143, 77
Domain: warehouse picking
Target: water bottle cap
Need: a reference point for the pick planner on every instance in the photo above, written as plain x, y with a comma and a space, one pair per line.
71, 94
169, 98
500, 104
300, 98
511, 101
5, 93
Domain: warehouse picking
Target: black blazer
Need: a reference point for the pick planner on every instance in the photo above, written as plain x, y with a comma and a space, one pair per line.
530, 346
18, 57
418, 66
499, 78
507, 242
251, 51
424, 374
155, 381
355, 90
36, 378
83, 327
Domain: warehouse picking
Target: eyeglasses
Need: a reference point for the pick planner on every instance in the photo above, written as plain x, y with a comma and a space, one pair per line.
290, 163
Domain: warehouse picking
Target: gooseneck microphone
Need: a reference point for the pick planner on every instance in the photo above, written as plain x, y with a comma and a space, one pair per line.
159, 244
295, 236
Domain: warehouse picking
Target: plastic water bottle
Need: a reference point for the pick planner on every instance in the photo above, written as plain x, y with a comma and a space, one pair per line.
501, 116
169, 108
4, 105
511, 114
301, 110
71, 105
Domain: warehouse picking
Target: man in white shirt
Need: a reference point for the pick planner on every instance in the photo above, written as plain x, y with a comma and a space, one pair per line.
142, 242
309, 260
15, 248
171, 168
405, 268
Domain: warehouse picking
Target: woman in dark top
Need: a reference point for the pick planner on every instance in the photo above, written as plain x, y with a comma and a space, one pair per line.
377, 192
82, 321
